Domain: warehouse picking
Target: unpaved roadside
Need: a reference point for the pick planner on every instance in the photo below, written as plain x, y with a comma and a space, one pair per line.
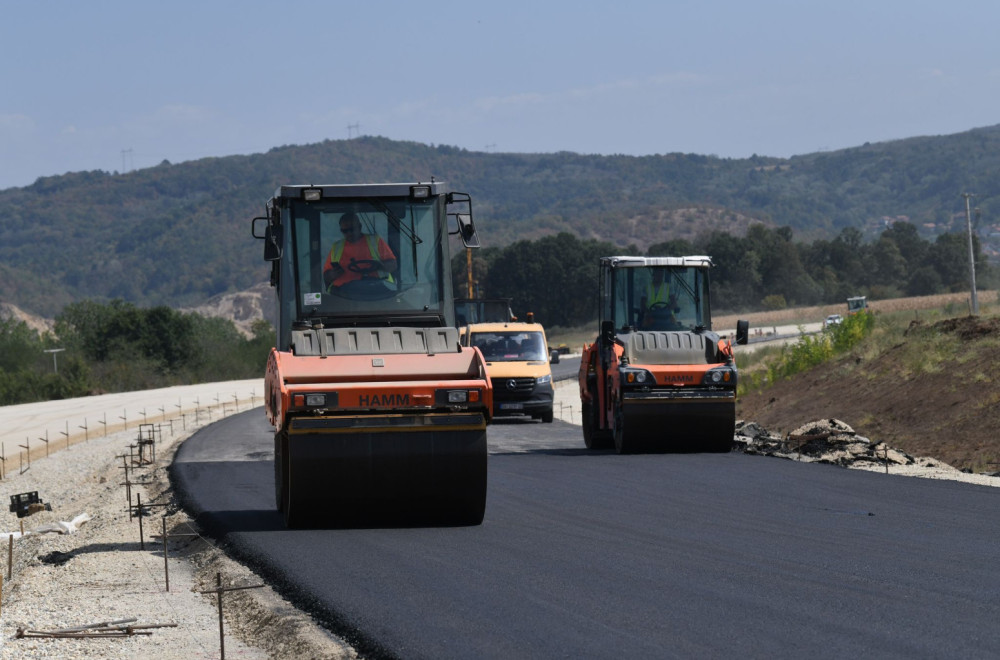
106, 572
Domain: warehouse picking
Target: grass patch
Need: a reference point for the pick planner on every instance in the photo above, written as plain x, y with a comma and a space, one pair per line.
766, 366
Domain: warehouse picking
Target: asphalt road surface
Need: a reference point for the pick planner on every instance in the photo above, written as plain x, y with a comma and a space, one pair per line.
594, 555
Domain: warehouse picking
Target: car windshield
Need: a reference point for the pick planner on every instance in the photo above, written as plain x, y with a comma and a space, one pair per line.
506, 346
659, 298
356, 257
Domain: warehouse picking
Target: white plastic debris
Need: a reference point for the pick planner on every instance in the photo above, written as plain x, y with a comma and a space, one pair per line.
53, 527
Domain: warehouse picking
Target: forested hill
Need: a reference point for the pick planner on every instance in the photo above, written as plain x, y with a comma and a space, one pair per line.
178, 234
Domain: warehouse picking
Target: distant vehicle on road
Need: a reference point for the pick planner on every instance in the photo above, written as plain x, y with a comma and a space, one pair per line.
833, 319
517, 362
857, 304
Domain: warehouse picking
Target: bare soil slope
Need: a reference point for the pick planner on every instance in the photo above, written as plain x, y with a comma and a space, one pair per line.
933, 393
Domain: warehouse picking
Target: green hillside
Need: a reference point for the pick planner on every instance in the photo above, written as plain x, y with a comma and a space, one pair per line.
177, 234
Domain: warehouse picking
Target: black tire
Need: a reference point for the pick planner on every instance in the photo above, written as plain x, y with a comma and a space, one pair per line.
594, 437
547, 416
622, 444
280, 473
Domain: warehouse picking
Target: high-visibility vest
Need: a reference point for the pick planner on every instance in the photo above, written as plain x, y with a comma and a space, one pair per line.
338, 249
656, 294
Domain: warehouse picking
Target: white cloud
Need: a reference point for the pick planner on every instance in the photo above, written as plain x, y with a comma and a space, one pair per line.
490, 103
13, 125
183, 114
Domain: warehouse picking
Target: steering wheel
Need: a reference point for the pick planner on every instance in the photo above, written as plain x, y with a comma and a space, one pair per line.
364, 266
366, 288
659, 306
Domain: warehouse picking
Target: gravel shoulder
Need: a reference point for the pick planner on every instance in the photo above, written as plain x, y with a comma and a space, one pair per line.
104, 571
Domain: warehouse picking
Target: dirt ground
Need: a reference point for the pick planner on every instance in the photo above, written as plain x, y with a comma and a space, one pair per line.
948, 411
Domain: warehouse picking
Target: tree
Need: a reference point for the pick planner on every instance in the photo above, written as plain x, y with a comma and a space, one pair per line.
20, 346
950, 258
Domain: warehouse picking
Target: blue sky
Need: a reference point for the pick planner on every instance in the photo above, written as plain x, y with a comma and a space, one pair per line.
112, 85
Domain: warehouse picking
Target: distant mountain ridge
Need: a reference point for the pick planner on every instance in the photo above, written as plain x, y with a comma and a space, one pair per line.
179, 235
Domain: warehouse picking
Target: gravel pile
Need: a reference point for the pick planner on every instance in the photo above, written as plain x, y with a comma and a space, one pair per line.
100, 572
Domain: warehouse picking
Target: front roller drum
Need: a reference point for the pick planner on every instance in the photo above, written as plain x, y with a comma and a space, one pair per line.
674, 425
364, 478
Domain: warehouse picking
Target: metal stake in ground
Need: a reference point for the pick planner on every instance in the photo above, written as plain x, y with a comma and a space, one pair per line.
138, 504
219, 590
27, 446
166, 567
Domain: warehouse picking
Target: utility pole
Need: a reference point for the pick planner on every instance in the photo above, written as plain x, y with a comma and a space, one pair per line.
351, 128
130, 165
972, 260
468, 264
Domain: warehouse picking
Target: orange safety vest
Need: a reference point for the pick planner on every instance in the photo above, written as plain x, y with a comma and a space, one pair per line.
338, 250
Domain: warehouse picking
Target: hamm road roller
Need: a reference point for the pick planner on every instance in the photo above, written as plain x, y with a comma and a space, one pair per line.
658, 378
379, 413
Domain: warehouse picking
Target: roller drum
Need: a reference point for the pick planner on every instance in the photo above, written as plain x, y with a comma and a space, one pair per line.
662, 425
371, 478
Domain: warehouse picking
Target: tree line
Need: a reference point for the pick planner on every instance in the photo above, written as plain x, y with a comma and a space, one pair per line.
556, 277
117, 347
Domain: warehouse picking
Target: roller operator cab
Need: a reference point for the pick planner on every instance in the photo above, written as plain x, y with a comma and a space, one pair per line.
658, 378
380, 414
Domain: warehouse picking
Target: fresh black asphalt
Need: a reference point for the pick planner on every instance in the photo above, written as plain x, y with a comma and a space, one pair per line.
594, 555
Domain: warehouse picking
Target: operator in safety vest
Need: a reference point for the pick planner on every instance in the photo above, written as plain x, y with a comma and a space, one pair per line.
357, 256
658, 303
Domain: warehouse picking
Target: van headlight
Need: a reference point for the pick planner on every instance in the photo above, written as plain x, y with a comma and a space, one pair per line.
547, 378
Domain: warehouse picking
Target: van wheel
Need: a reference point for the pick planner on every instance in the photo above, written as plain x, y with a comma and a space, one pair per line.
547, 416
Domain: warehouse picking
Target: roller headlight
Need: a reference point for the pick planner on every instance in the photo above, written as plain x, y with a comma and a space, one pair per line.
637, 377
721, 377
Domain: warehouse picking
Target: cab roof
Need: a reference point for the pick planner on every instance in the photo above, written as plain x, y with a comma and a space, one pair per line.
333, 191
698, 261
512, 326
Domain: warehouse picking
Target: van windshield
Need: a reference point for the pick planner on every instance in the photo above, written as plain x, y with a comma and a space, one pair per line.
505, 346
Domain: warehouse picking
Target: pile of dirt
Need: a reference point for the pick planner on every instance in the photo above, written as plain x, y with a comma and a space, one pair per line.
901, 397
822, 441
